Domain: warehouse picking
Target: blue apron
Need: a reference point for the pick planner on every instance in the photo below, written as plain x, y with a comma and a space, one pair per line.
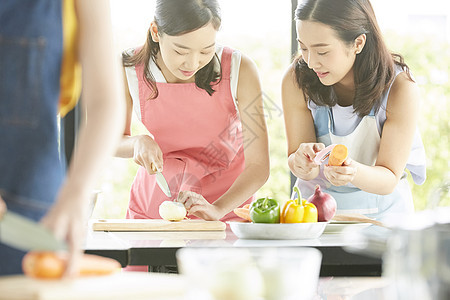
363, 145
349, 198
30, 60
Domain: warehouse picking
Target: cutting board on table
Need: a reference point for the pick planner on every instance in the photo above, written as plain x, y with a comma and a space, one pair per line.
156, 225
356, 218
119, 286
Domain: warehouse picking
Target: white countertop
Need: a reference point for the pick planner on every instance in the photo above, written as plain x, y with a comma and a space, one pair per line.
100, 240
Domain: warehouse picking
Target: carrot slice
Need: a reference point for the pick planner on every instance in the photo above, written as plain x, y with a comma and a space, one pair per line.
243, 212
338, 155
51, 265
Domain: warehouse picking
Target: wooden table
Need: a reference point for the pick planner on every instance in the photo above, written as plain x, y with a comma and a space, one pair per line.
158, 249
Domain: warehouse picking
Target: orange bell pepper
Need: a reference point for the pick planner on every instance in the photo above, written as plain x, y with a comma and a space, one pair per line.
298, 210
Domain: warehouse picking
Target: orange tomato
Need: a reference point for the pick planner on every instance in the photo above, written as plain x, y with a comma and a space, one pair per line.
52, 265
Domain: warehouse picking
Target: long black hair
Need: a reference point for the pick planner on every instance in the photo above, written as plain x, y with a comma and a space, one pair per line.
373, 67
177, 17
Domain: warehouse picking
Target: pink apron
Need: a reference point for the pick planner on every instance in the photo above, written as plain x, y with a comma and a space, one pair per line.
200, 137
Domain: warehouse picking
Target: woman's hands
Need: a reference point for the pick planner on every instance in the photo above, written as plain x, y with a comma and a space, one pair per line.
67, 219
198, 206
148, 154
302, 165
301, 161
341, 175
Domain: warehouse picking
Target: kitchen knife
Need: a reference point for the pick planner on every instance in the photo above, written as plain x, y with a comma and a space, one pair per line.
24, 234
162, 182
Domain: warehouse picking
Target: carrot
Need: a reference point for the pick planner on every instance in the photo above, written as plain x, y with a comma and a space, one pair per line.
243, 212
338, 155
51, 265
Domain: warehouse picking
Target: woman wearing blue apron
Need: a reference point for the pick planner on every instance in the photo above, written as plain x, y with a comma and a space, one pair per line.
347, 88
43, 44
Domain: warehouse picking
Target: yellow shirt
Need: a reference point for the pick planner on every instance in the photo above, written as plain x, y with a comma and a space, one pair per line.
70, 79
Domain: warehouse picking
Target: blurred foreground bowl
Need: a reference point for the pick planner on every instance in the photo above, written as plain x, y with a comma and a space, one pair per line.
251, 273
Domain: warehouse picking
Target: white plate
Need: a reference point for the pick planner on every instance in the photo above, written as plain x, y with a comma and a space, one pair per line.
279, 231
347, 222
340, 226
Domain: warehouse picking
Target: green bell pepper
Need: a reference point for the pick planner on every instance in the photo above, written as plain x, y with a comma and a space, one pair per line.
265, 210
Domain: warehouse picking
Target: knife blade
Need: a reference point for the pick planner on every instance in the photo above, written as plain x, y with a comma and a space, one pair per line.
162, 183
24, 234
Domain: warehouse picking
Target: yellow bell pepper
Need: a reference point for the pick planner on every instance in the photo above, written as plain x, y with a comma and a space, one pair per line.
292, 212
311, 214
298, 211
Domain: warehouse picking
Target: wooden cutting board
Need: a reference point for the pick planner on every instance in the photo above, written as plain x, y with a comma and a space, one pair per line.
356, 218
156, 225
123, 285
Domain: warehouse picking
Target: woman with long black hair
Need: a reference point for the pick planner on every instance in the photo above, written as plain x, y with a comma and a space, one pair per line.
202, 105
347, 88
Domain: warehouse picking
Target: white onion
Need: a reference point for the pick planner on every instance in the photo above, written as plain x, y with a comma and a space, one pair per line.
172, 211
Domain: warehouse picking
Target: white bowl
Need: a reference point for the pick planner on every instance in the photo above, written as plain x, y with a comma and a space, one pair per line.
279, 231
251, 273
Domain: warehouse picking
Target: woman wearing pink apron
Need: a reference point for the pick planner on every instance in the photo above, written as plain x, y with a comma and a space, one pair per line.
347, 88
202, 106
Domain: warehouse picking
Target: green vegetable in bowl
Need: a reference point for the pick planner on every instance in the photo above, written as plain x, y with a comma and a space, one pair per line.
265, 210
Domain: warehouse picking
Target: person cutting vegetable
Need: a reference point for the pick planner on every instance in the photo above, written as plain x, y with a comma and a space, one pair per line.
46, 46
347, 88
202, 106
